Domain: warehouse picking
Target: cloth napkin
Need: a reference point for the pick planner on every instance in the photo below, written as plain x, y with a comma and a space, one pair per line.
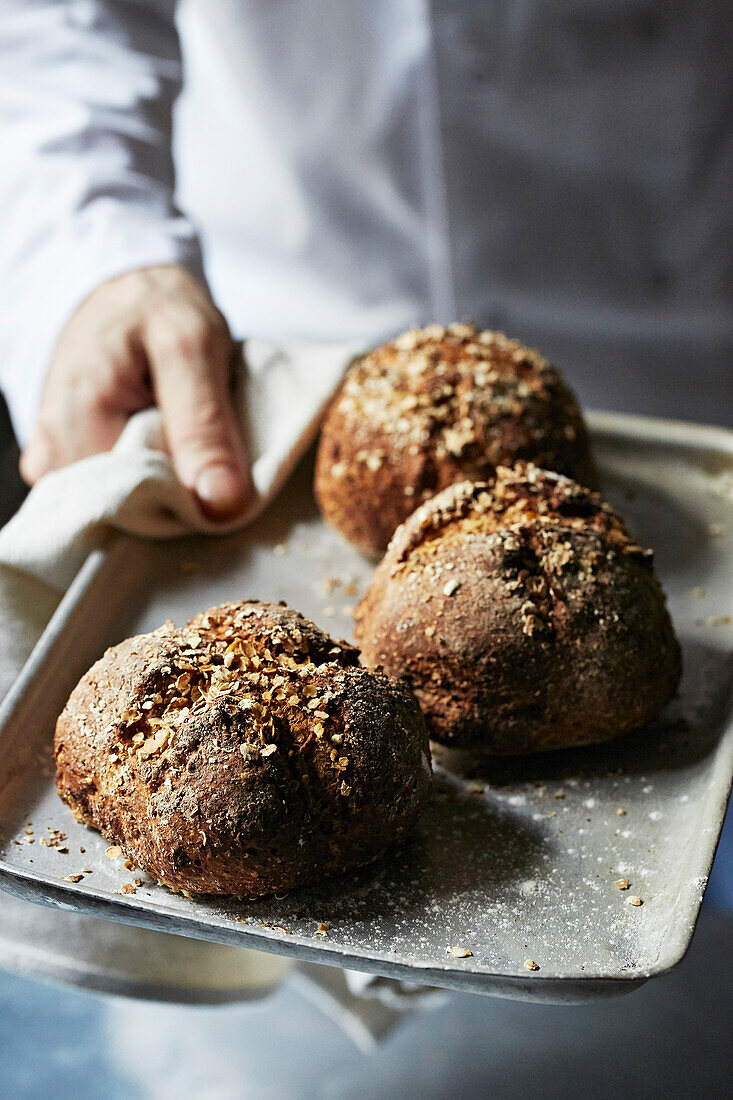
281, 392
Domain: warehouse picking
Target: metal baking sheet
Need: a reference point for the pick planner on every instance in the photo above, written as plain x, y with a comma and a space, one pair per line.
515, 862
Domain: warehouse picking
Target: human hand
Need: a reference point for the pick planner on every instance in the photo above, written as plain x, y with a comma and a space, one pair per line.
148, 337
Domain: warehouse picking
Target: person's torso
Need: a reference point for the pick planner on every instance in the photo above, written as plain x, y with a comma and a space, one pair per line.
558, 170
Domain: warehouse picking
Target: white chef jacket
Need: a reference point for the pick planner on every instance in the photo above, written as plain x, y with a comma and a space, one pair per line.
347, 168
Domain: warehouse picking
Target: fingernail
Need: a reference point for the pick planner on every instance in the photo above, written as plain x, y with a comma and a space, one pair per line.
222, 490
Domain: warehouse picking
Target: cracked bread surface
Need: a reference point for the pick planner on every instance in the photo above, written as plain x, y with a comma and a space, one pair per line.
524, 615
433, 407
245, 753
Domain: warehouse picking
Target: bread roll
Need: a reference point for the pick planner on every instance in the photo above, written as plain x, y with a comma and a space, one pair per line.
433, 407
245, 753
524, 615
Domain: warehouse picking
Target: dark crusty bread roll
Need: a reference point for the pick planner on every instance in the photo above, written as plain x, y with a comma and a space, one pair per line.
433, 407
524, 615
245, 753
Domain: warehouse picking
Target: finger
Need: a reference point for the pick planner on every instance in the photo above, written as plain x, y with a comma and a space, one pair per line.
36, 459
60, 441
190, 374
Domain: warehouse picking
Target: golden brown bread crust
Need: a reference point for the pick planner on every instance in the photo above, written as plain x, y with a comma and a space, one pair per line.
245, 753
433, 407
524, 615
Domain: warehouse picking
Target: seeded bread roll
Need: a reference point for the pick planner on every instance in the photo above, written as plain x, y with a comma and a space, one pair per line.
524, 615
246, 753
433, 407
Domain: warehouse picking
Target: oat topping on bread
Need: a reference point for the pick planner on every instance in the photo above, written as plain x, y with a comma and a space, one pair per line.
436, 406
524, 615
244, 753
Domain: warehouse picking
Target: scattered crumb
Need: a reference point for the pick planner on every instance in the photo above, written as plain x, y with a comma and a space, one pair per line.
322, 929
717, 620
459, 952
114, 852
620, 812
559, 795
530, 964
622, 884
128, 864
72, 878
279, 549
55, 839
127, 888
634, 900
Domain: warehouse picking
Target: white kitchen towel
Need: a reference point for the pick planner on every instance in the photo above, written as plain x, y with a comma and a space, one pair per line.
281, 392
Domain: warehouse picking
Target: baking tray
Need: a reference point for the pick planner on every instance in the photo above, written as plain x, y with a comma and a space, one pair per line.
515, 862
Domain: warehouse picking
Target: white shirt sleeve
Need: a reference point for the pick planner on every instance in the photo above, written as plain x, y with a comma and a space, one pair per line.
86, 171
